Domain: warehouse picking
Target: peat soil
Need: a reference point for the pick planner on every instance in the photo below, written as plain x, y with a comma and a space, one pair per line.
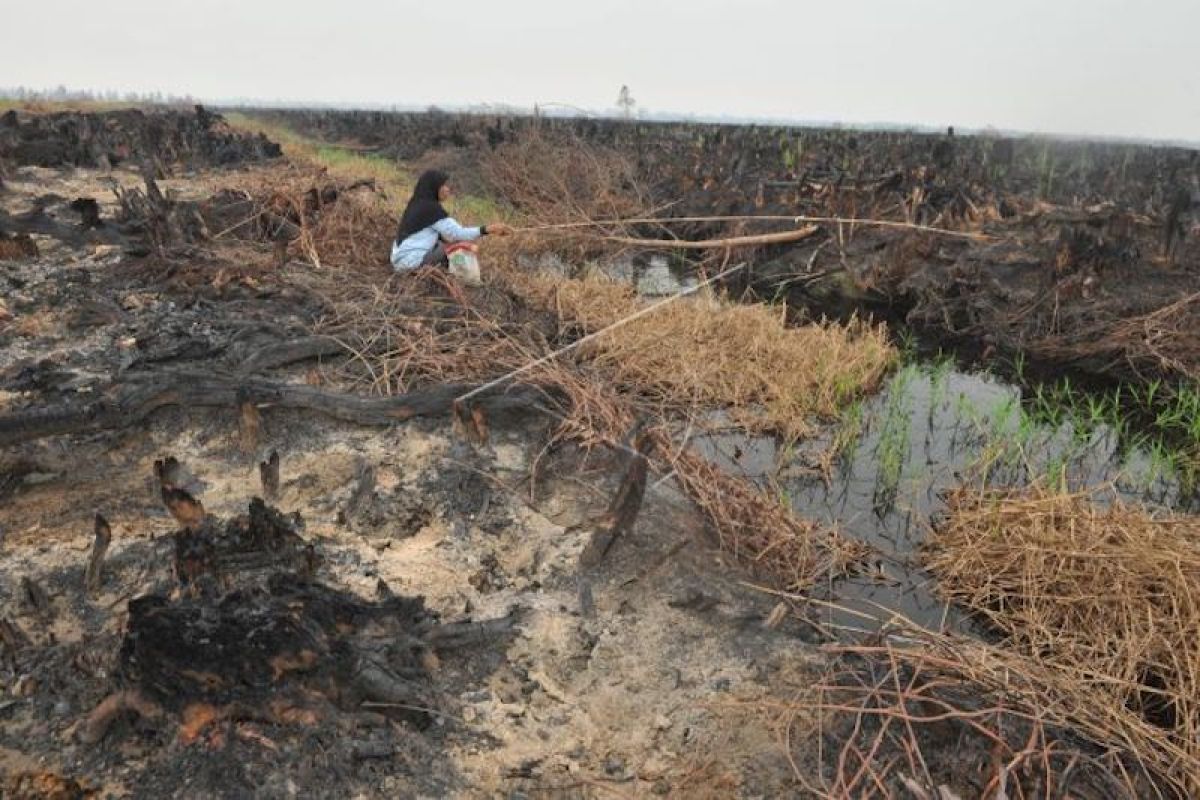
452, 643
174, 671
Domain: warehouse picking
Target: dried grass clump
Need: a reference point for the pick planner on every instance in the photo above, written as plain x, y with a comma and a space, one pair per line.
1107, 597
564, 179
355, 231
406, 331
329, 223
705, 351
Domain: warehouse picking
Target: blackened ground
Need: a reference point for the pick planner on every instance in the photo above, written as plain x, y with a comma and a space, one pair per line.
163, 138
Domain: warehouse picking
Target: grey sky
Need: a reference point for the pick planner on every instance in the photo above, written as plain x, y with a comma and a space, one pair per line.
1113, 67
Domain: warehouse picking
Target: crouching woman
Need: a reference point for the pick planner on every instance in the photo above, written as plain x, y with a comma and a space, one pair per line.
425, 227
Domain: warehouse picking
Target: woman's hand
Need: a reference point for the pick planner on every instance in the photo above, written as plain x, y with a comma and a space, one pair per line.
499, 229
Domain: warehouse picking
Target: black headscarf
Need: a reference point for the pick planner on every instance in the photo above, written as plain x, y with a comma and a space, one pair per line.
423, 209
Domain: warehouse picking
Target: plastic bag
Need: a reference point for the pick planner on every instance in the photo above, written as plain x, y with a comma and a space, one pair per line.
464, 263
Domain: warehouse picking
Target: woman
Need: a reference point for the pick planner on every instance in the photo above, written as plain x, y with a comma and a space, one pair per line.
425, 226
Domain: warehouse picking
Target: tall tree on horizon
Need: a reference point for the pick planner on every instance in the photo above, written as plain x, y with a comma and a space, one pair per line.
625, 102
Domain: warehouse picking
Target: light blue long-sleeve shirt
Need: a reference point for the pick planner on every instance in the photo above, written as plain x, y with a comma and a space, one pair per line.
408, 254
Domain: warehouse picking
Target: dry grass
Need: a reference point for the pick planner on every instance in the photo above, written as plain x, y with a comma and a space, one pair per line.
762, 532
407, 331
1106, 599
356, 231
352, 231
715, 353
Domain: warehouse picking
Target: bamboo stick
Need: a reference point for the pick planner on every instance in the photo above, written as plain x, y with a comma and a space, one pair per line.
878, 223
714, 244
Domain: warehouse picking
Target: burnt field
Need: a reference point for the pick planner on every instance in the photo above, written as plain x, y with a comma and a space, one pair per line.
1087, 254
275, 521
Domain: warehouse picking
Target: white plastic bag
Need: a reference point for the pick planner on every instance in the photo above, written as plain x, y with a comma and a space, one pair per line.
464, 263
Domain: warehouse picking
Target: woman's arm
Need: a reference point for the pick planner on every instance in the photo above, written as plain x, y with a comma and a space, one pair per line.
449, 229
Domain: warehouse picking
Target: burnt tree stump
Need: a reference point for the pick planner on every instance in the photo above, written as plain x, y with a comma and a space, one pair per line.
248, 630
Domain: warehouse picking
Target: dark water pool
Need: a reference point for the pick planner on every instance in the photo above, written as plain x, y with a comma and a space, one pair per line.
931, 429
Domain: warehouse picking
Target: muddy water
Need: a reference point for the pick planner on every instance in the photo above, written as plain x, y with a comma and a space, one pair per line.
652, 275
931, 429
655, 276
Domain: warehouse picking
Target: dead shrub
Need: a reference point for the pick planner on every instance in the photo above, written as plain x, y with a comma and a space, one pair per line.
560, 180
1164, 341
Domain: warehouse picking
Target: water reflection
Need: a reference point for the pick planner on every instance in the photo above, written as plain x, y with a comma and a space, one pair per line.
652, 276
931, 429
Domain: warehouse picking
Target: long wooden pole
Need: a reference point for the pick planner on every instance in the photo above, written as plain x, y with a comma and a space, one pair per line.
795, 220
714, 244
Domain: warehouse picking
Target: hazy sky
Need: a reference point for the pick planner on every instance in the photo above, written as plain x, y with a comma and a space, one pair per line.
1114, 67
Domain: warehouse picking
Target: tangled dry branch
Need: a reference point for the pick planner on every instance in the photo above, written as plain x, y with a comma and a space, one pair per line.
1165, 341
1103, 597
918, 714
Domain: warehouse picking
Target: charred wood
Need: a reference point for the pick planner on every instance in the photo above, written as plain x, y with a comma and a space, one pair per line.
626, 502
35, 599
12, 639
249, 424
281, 354
187, 510
89, 212
364, 487
94, 575
268, 474
132, 401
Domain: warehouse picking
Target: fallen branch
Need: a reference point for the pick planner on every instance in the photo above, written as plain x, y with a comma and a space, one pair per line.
141, 395
717, 244
281, 354
848, 221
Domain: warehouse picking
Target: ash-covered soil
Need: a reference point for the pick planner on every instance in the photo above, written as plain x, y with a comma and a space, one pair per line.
640, 694
227, 571
636, 677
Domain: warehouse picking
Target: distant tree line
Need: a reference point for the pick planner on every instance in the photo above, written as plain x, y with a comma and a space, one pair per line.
62, 94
